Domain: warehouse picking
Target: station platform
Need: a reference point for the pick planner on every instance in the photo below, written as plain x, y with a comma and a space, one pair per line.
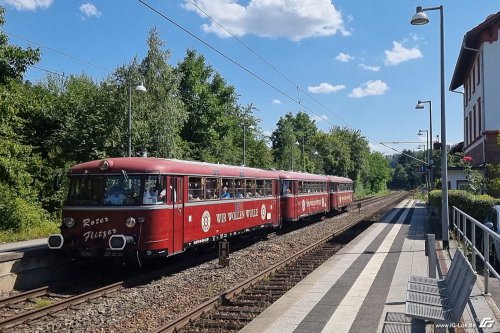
362, 288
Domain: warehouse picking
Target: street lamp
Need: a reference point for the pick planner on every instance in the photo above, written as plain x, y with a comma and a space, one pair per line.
418, 19
419, 106
139, 87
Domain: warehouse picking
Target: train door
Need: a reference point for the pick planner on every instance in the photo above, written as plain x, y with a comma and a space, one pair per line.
177, 201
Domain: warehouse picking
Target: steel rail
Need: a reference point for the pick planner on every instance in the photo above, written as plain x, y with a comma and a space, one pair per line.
24, 296
183, 320
58, 306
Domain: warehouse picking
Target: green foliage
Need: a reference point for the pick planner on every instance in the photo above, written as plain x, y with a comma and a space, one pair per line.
493, 180
14, 60
476, 206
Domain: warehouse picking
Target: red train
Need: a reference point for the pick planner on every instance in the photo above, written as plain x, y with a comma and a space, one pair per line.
144, 207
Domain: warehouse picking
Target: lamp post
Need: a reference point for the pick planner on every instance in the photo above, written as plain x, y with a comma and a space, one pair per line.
429, 167
139, 87
421, 18
245, 142
303, 159
431, 161
303, 155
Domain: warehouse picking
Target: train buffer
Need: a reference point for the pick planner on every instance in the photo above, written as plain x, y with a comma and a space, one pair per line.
363, 288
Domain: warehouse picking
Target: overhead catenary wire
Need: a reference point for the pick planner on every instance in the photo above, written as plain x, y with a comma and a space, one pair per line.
57, 51
272, 66
213, 48
295, 100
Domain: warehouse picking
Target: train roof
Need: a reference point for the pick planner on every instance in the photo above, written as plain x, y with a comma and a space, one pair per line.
180, 167
171, 166
337, 179
301, 176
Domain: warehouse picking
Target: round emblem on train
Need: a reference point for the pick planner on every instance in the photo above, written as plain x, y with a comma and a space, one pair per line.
263, 212
205, 221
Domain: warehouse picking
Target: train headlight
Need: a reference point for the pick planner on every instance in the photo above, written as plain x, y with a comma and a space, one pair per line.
104, 165
130, 222
69, 222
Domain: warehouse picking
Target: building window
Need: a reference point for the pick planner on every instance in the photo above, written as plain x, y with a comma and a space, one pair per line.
479, 116
470, 127
468, 83
474, 123
478, 69
466, 130
473, 79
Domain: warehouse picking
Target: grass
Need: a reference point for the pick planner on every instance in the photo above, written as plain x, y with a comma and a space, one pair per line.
41, 231
40, 303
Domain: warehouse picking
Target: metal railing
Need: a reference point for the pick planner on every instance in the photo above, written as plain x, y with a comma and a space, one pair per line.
466, 229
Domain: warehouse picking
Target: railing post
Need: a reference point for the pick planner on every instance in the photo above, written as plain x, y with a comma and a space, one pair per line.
465, 236
486, 254
430, 251
459, 228
473, 242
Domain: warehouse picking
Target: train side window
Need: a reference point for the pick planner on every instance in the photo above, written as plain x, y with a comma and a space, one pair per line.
239, 187
212, 190
196, 189
260, 188
249, 188
286, 187
227, 188
268, 190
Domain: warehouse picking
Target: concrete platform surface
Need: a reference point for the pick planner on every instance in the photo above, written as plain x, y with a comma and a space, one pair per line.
362, 288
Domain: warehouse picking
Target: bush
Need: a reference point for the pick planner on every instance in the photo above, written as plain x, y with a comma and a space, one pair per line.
19, 213
476, 206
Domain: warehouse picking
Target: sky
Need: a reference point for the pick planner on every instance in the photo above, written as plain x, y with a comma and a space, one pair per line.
357, 64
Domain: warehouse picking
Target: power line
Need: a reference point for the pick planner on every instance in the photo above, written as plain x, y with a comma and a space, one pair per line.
47, 71
297, 101
231, 60
270, 65
59, 52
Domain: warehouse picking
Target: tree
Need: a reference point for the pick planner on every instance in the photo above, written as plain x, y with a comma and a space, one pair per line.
379, 173
213, 115
294, 135
14, 60
19, 206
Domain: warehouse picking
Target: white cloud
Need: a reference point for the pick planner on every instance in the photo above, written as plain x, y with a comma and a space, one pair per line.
370, 88
276, 101
344, 57
292, 19
90, 10
369, 68
399, 54
325, 88
29, 4
319, 119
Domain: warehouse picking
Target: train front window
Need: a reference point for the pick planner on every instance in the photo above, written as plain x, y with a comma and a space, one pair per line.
115, 190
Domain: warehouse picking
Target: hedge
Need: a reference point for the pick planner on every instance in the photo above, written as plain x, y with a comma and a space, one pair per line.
476, 206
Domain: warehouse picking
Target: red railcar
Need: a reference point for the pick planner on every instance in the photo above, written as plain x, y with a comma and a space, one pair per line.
144, 207
149, 206
302, 195
341, 192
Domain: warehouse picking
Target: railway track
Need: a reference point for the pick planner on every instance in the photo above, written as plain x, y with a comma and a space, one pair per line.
35, 304
50, 303
231, 310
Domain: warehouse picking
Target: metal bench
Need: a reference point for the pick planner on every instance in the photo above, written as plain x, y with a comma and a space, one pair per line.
441, 300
